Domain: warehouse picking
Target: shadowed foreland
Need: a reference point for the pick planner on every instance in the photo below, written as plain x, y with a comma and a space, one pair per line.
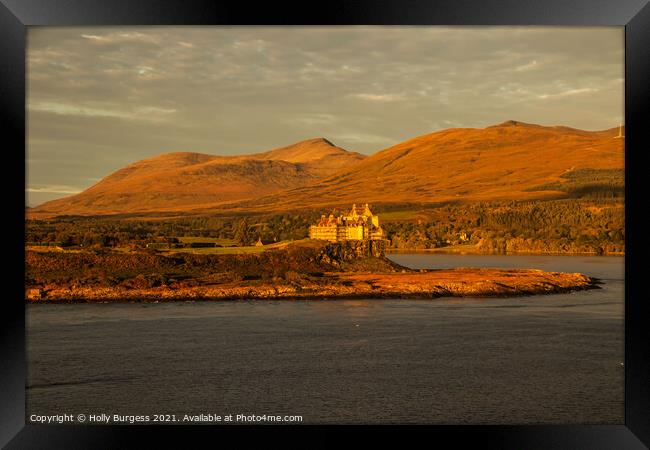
303, 270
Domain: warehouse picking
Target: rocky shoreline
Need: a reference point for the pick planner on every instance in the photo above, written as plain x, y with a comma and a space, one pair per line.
338, 285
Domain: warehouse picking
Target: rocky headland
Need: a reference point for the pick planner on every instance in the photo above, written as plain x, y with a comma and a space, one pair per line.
305, 270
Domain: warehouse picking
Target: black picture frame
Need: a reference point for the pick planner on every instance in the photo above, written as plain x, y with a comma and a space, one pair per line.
16, 15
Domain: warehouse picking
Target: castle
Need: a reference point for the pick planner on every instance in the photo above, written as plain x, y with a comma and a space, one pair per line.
360, 224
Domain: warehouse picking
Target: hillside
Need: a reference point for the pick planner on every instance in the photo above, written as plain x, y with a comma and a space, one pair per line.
512, 161
185, 181
318, 154
509, 161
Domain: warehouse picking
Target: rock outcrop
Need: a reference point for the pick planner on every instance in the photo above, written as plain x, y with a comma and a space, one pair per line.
310, 269
337, 253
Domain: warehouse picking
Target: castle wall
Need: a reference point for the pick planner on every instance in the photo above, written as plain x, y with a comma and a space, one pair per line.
326, 233
353, 227
354, 233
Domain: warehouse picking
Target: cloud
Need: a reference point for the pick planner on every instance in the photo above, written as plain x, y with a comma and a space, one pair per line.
54, 189
144, 113
357, 138
568, 93
314, 119
93, 37
107, 96
529, 66
121, 37
380, 97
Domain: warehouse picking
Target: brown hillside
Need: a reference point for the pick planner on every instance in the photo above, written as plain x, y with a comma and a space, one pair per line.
512, 160
185, 181
318, 156
309, 151
505, 161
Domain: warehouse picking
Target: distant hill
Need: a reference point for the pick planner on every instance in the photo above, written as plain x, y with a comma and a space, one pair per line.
512, 160
186, 181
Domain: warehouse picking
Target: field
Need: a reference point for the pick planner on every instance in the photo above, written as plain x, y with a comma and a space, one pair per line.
229, 247
592, 223
216, 250
224, 242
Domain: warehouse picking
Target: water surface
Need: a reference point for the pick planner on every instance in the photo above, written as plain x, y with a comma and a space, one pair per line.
537, 359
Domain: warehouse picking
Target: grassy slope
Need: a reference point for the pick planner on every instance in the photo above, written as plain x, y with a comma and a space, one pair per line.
149, 269
185, 181
507, 161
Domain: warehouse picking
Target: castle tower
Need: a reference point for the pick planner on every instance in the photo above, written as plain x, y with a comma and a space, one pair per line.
353, 213
359, 225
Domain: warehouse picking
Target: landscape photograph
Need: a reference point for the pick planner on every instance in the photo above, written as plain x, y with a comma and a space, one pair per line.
325, 225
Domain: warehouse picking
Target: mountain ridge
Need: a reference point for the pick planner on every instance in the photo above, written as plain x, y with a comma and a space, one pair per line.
178, 180
503, 161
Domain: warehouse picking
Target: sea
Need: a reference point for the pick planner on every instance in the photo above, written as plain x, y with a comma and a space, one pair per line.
544, 359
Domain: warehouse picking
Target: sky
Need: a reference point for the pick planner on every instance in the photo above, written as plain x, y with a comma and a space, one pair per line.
101, 98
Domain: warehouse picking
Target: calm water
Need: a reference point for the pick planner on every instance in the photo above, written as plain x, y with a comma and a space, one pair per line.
539, 359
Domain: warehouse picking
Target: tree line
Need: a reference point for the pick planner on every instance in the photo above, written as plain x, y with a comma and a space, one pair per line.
568, 225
